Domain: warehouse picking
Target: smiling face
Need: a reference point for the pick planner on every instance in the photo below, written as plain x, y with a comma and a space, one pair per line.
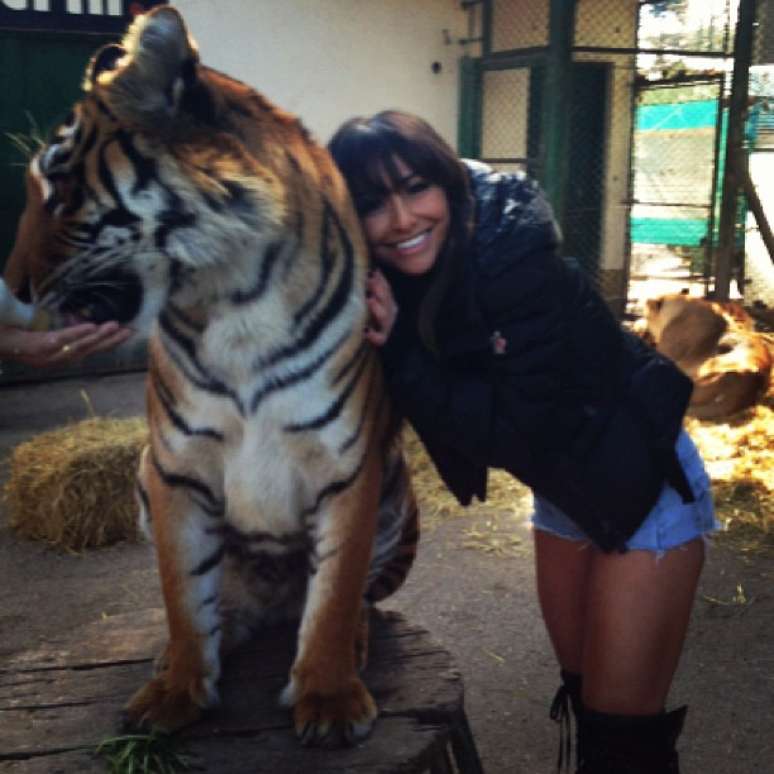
407, 227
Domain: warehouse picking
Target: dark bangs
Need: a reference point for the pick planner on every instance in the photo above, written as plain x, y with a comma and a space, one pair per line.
365, 151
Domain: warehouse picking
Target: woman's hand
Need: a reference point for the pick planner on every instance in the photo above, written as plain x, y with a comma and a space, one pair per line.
42, 349
382, 307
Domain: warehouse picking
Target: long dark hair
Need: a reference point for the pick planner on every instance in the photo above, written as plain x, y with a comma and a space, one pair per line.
365, 150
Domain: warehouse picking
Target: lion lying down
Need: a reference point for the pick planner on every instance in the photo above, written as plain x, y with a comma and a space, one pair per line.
716, 345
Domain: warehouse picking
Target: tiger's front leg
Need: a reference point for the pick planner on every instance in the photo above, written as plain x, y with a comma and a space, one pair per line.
331, 705
185, 516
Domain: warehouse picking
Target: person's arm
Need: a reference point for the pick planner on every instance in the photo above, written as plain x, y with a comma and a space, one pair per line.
43, 349
24, 337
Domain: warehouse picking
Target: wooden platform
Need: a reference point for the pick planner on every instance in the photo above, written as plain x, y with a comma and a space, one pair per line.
59, 702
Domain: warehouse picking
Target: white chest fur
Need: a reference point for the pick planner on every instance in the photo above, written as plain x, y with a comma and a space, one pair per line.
270, 460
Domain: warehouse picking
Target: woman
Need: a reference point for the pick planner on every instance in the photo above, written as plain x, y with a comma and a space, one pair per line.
502, 355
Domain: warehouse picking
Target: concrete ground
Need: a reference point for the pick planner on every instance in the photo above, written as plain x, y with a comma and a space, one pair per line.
480, 604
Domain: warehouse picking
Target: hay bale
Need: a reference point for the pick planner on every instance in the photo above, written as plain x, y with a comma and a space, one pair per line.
74, 486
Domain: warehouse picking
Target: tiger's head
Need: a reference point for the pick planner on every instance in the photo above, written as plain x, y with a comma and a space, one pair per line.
167, 180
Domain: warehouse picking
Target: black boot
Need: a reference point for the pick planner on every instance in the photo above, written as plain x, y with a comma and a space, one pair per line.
568, 695
630, 744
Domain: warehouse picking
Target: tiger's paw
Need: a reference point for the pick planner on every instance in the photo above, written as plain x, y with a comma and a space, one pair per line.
340, 720
158, 707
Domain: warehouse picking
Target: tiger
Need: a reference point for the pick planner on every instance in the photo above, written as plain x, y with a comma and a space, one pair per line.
180, 201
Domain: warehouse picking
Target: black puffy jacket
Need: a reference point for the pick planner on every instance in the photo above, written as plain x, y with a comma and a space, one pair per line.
535, 375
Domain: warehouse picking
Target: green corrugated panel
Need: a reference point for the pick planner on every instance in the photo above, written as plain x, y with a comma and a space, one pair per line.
677, 115
662, 231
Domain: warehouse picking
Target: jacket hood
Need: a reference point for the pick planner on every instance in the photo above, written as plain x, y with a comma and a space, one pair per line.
512, 217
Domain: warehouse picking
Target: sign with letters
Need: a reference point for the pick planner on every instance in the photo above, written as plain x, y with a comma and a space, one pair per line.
90, 16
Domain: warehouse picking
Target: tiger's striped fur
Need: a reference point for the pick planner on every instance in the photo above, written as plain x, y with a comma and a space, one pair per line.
177, 198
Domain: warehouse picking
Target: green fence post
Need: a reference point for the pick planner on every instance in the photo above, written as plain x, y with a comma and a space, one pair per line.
556, 98
469, 123
732, 178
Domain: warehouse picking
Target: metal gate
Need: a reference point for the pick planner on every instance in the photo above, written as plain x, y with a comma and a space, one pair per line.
572, 92
679, 130
509, 134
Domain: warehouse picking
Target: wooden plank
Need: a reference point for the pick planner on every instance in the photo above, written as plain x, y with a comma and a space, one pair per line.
396, 745
81, 761
125, 637
142, 634
67, 713
69, 697
47, 709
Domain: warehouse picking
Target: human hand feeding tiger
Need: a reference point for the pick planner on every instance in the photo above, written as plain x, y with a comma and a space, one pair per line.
178, 199
30, 336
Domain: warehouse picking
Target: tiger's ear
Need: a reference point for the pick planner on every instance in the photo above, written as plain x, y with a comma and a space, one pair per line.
146, 83
106, 58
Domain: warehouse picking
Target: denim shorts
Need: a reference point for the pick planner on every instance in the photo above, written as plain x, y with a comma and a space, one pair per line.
670, 523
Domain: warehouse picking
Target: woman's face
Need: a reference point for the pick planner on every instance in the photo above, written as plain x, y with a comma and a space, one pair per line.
408, 228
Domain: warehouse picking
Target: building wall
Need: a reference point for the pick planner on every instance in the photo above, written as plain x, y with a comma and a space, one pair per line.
327, 61
759, 270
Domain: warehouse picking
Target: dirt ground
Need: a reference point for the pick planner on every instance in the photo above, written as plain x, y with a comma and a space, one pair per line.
478, 602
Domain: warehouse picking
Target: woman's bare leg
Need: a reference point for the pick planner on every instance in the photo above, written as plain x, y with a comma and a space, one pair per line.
618, 619
563, 568
637, 610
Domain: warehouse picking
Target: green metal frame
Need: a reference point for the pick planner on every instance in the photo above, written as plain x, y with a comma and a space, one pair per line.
469, 120
558, 86
725, 257
486, 28
551, 164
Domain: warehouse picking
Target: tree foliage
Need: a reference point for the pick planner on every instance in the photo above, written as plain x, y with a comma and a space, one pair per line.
662, 7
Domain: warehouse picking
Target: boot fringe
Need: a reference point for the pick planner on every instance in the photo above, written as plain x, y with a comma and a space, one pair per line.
567, 698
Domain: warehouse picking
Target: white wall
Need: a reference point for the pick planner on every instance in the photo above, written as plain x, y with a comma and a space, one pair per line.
327, 60
759, 270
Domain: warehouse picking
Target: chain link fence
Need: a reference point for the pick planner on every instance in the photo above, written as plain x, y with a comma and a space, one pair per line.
763, 44
646, 113
516, 24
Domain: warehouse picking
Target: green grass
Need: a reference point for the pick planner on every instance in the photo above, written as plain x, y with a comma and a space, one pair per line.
153, 753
